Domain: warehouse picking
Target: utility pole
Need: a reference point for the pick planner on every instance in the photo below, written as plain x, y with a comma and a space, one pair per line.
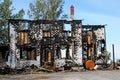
113, 56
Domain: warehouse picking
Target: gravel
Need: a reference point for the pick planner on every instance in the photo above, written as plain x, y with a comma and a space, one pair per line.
86, 75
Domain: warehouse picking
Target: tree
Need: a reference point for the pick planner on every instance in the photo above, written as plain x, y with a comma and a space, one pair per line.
6, 9
108, 56
45, 9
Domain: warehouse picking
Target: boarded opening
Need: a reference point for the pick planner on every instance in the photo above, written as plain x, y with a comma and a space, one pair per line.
23, 38
27, 53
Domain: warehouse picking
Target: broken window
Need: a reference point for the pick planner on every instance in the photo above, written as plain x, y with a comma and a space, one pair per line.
3, 53
27, 54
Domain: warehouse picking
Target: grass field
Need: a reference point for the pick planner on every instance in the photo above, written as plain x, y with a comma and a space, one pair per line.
4, 75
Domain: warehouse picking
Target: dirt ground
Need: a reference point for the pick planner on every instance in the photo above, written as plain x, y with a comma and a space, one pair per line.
87, 75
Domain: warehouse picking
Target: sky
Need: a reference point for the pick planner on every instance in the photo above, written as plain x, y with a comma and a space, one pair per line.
92, 12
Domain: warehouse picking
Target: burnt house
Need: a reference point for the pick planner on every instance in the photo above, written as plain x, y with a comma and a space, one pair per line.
47, 42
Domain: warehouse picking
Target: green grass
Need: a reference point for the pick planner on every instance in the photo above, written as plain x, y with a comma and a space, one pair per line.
4, 75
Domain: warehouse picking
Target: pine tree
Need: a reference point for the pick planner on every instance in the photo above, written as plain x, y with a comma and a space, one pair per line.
46, 9
6, 9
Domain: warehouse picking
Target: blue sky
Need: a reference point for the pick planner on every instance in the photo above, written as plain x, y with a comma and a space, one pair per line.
93, 12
